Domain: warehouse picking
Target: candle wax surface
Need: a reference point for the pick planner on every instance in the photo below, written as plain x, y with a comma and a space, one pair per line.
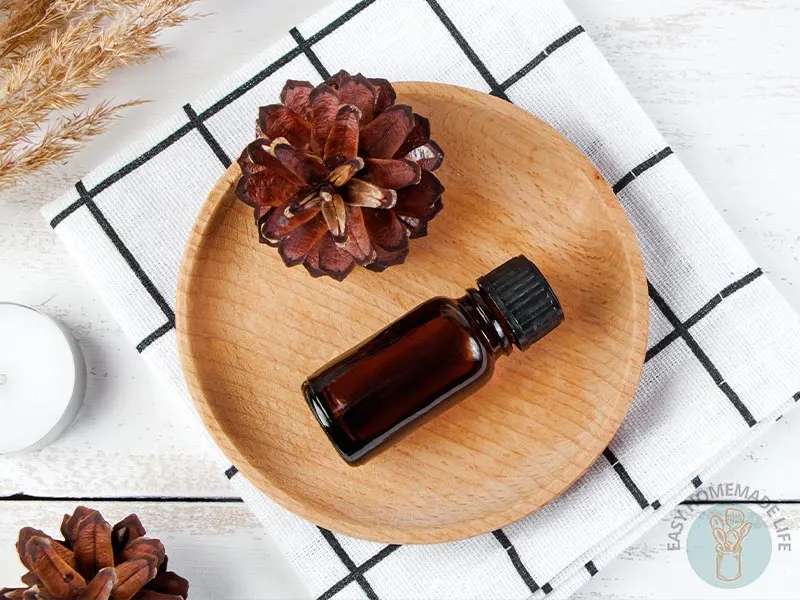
38, 377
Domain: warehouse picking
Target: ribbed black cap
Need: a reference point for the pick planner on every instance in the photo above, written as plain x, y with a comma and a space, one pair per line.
524, 298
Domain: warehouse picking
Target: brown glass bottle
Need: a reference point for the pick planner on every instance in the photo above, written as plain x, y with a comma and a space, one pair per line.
428, 359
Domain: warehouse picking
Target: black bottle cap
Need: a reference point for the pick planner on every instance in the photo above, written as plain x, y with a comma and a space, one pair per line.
525, 300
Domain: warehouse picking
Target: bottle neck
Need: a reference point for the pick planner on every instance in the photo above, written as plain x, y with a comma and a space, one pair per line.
486, 320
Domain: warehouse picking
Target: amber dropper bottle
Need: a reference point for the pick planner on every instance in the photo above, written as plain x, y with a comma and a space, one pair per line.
429, 359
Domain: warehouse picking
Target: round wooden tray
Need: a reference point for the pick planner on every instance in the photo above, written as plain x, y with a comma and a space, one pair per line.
250, 330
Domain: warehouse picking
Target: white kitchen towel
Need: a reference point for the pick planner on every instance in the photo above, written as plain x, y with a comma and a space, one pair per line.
724, 349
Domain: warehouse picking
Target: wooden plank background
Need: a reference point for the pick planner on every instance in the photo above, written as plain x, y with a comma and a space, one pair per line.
719, 77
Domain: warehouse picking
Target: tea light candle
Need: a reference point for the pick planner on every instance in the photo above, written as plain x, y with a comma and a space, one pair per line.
42, 379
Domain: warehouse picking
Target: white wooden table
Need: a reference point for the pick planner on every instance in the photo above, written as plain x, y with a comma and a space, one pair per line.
721, 78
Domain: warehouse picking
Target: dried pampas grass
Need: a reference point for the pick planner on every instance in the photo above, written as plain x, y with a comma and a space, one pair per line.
51, 53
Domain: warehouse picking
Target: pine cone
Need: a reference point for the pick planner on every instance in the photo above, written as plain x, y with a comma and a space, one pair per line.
95, 562
340, 175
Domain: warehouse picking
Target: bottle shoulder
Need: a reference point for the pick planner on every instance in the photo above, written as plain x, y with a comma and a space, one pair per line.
442, 307
463, 327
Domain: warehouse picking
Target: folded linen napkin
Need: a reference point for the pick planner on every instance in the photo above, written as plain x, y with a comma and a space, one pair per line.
723, 344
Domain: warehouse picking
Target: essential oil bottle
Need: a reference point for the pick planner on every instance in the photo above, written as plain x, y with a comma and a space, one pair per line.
429, 359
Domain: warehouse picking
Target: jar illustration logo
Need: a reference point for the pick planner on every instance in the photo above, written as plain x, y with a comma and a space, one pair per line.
729, 534
729, 547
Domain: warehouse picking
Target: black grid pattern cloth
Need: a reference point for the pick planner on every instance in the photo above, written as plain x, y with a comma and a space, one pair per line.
723, 352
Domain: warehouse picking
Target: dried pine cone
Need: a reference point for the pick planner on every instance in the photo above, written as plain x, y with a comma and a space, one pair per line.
95, 562
340, 175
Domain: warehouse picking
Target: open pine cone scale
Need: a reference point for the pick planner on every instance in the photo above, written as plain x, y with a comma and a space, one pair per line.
95, 562
340, 175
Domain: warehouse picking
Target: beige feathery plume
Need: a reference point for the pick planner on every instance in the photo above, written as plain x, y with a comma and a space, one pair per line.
59, 141
26, 25
51, 53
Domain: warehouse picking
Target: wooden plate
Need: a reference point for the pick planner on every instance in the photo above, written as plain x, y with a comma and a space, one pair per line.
250, 330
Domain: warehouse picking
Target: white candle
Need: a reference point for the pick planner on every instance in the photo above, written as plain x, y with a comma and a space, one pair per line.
42, 379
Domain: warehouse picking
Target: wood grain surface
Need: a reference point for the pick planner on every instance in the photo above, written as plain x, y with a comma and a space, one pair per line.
220, 548
250, 330
227, 555
718, 78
